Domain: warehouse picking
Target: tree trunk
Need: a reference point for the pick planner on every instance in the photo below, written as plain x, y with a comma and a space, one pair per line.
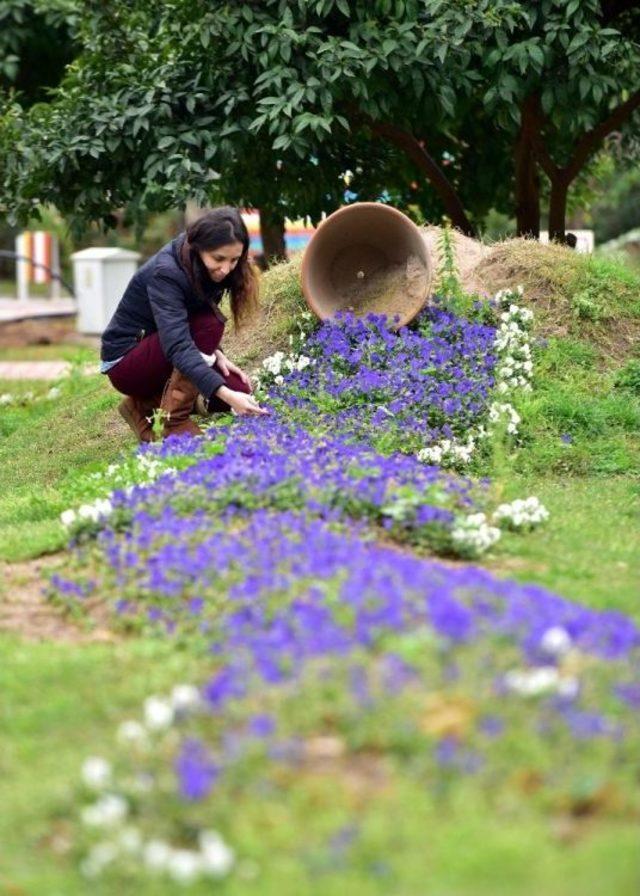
416, 151
558, 208
272, 232
526, 173
585, 146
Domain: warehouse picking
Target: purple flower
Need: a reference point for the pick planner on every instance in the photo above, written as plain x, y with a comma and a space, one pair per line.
261, 725
196, 771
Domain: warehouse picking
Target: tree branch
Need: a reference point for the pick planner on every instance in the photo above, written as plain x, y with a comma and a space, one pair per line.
590, 140
412, 147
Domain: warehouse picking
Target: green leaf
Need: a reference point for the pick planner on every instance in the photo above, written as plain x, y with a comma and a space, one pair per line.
584, 86
537, 55
578, 41
281, 142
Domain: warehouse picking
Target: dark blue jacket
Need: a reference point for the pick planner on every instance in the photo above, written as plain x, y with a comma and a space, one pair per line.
160, 298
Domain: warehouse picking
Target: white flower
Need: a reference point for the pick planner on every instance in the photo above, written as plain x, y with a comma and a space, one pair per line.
556, 641
101, 855
130, 840
6, 398
568, 687
521, 513
185, 697
217, 857
96, 772
448, 452
68, 517
131, 732
158, 713
155, 855
109, 811
273, 364
184, 866
54, 392
532, 682
473, 534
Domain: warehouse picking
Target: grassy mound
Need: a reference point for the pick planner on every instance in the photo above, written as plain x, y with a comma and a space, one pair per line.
281, 300
584, 296
594, 299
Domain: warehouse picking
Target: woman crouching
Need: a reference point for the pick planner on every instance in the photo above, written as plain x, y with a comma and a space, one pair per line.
162, 347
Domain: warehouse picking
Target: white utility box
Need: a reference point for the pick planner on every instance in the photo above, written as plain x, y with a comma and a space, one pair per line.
100, 277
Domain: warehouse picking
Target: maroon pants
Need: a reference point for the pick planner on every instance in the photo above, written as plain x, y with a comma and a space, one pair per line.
144, 370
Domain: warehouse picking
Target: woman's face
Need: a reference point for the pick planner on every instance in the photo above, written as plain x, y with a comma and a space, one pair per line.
221, 261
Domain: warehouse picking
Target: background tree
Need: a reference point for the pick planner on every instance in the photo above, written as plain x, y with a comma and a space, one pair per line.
561, 82
36, 43
169, 102
194, 98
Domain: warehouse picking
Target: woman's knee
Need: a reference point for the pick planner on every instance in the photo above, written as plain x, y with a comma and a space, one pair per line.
206, 331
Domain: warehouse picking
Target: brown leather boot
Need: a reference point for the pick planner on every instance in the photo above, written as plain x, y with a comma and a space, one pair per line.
137, 414
178, 399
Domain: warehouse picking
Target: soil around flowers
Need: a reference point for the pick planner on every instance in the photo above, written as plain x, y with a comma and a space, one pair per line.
398, 289
26, 612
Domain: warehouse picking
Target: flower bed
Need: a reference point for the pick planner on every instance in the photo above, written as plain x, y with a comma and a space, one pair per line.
279, 546
396, 391
325, 644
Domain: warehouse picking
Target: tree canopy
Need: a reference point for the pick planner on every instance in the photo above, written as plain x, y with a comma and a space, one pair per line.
35, 45
268, 102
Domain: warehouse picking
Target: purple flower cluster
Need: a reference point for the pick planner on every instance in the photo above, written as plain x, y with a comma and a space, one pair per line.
284, 593
264, 550
399, 390
267, 462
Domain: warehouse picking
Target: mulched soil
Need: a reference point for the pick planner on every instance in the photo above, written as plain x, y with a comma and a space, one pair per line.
39, 331
25, 610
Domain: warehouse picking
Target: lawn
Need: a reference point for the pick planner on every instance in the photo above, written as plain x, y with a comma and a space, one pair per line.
365, 747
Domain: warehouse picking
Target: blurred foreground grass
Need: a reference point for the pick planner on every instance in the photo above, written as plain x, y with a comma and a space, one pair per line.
333, 833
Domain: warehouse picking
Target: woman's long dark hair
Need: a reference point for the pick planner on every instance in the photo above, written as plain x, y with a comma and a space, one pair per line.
220, 227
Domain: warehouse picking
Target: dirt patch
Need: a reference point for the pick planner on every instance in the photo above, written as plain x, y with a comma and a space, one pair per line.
25, 610
397, 289
42, 331
469, 253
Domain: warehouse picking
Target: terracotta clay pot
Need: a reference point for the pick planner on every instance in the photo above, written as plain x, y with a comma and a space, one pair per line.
367, 254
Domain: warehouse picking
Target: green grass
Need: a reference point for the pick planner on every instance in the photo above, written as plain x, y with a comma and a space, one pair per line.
42, 446
580, 419
62, 351
589, 548
8, 289
62, 702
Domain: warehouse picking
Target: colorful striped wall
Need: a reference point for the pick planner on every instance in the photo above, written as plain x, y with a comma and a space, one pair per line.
298, 233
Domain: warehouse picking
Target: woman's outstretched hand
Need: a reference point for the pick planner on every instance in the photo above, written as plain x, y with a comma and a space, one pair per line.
240, 403
225, 366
